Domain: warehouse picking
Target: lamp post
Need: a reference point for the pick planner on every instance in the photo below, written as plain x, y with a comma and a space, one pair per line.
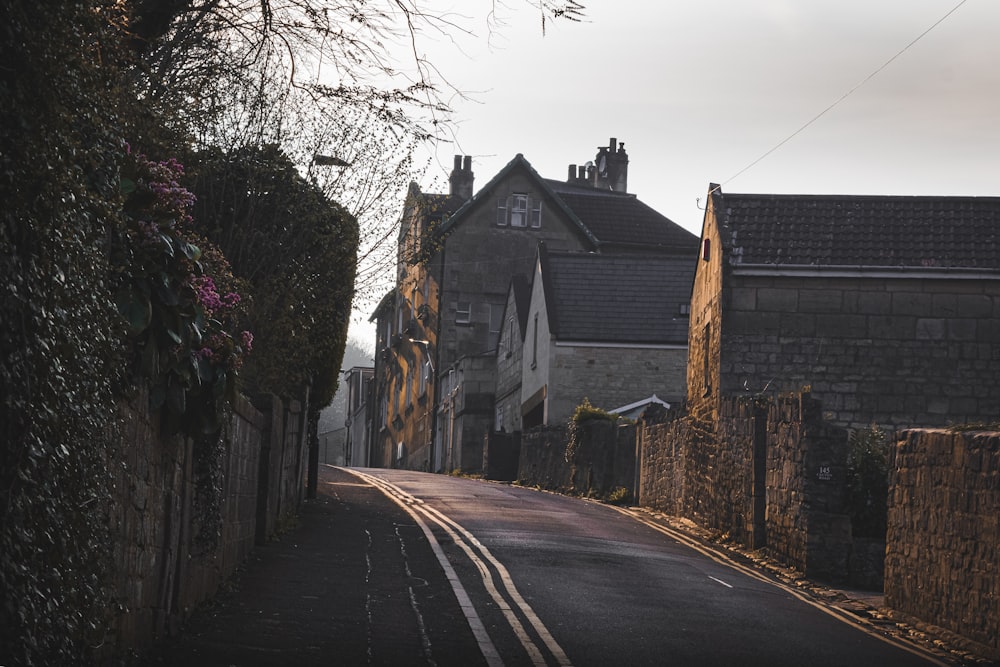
312, 468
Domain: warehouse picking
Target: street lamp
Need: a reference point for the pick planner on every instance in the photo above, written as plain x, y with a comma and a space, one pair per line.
329, 161
425, 344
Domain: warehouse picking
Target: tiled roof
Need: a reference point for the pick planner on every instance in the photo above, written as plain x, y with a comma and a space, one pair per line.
621, 219
617, 298
861, 231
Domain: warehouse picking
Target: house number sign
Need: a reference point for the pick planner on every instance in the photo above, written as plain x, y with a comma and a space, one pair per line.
825, 473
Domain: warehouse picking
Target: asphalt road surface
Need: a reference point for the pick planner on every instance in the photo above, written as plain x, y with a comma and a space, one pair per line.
545, 579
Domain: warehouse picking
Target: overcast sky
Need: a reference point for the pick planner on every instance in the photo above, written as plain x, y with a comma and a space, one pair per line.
700, 90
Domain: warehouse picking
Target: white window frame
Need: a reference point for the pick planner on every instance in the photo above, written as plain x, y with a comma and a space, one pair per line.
502, 212
536, 214
519, 210
463, 312
499, 418
496, 318
425, 374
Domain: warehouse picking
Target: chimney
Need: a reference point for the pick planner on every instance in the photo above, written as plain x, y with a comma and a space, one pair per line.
462, 178
615, 174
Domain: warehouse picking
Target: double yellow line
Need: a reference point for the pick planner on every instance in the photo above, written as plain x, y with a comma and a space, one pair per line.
495, 578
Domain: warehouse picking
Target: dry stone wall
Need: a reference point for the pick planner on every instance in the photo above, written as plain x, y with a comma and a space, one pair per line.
599, 463
943, 531
765, 473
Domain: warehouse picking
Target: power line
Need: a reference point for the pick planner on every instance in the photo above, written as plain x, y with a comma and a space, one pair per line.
842, 97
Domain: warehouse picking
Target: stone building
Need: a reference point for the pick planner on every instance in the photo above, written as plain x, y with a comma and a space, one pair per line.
358, 381
611, 328
886, 308
439, 328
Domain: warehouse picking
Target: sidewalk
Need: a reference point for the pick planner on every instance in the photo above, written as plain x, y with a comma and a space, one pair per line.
354, 583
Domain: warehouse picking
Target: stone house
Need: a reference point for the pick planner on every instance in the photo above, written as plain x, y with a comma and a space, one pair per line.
439, 328
886, 308
611, 328
358, 381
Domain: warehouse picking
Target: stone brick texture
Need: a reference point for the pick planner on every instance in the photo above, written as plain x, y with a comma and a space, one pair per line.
599, 464
941, 561
712, 473
174, 544
893, 352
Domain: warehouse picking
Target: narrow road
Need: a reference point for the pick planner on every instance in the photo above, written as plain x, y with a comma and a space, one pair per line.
549, 580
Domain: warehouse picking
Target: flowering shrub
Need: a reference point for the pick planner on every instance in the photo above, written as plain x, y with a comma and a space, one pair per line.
179, 299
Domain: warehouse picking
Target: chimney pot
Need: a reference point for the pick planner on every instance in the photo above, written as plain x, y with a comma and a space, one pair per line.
462, 178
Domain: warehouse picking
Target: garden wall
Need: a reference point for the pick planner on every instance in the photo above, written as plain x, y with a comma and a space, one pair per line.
599, 464
765, 473
189, 510
943, 529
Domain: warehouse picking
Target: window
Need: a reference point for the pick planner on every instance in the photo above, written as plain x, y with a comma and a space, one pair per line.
706, 250
519, 210
496, 318
534, 343
463, 312
685, 310
706, 359
409, 387
425, 375
498, 426
509, 336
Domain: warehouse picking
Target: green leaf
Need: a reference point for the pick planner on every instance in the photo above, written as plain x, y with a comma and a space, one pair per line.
174, 336
168, 242
204, 370
135, 307
221, 385
127, 186
191, 251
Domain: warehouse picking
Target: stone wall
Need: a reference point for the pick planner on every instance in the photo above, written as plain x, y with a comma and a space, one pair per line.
765, 473
611, 377
176, 541
944, 526
894, 352
599, 464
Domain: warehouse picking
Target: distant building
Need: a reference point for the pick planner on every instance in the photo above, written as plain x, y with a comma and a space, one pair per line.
359, 384
886, 308
611, 328
439, 328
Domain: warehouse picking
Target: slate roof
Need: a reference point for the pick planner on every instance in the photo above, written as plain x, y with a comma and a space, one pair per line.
618, 218
602, 217
617, 298
861, 231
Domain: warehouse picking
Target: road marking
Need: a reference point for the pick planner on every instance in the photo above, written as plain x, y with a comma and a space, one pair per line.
839, 614
486, 646
720, 581
469, 544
